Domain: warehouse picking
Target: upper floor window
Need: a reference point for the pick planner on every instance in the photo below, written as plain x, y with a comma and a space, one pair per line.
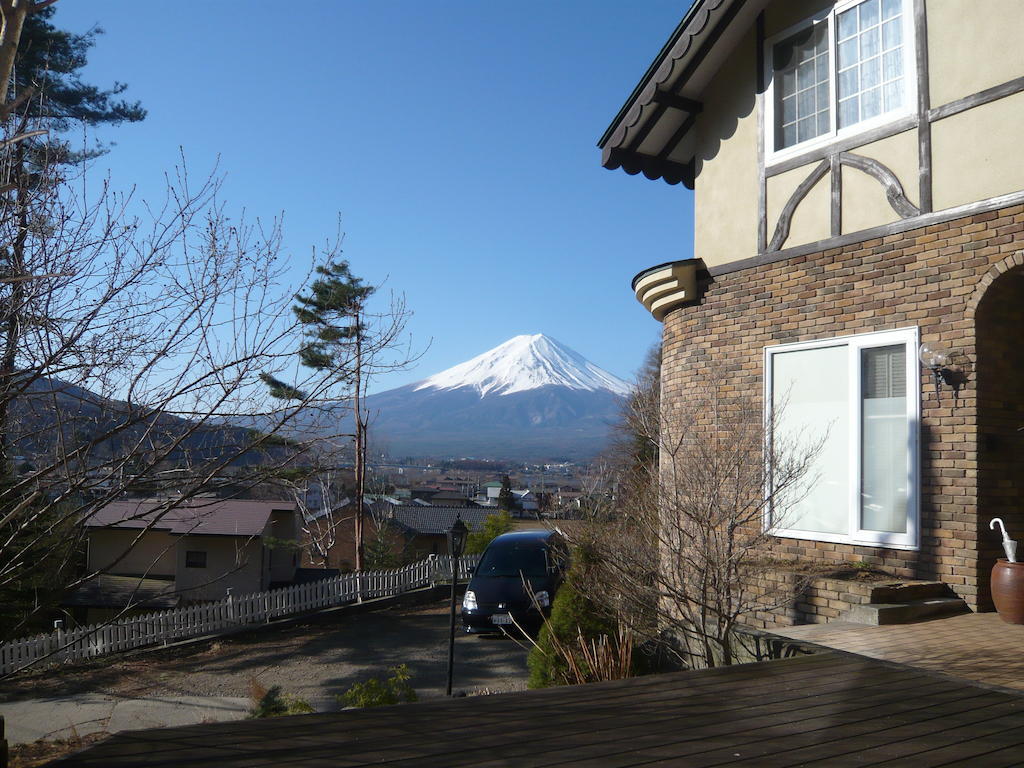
843, 70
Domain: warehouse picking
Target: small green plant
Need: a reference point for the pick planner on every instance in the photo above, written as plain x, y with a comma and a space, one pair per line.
272, 703
494, 526
373, 693
556, 656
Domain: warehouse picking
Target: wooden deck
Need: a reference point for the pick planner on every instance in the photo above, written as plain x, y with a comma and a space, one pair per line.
828, 709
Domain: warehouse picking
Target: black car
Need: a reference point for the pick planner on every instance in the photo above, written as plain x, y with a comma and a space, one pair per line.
513, 566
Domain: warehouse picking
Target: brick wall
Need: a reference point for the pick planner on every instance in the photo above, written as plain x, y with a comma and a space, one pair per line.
1000, 385
809, 600
936, 278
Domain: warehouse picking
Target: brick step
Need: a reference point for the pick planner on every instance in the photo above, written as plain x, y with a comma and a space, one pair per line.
905, 612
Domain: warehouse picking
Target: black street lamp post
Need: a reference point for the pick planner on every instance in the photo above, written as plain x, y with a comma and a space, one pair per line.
456, 544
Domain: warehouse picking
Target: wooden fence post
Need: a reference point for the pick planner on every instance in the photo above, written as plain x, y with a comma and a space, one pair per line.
58, 627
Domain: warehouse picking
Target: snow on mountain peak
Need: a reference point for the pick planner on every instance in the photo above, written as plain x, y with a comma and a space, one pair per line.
523, 363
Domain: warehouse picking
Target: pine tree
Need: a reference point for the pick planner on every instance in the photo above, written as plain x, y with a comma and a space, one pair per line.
335, 337
43, 97
48, 64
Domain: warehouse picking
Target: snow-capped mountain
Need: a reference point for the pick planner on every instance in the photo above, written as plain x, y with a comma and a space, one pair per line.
523, 363
530, 397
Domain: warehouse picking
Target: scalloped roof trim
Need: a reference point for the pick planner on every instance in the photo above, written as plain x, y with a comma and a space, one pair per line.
664, 72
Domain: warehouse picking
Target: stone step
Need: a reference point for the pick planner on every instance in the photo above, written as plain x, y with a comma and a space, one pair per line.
905, 612
905, 591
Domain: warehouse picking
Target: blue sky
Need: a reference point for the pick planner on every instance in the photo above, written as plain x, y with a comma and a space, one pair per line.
454, 138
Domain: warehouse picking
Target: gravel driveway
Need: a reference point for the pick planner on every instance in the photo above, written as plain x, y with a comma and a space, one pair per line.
314, 661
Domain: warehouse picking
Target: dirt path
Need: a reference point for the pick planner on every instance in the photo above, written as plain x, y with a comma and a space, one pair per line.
315, 662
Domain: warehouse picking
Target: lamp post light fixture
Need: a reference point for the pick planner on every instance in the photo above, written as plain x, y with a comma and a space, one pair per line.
936, 357
456, 545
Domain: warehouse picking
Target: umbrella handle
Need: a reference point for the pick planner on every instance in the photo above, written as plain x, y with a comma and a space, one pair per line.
992, 527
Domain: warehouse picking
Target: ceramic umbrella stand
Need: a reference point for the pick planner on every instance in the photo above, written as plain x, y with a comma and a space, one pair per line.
1008, 580
1008, 590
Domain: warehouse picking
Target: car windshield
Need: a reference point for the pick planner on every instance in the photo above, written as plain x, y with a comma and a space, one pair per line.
513, 559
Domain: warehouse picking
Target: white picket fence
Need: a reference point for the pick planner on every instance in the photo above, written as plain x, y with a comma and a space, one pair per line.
227, 615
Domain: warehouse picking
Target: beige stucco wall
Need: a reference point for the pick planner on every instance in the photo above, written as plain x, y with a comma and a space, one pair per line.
725, 201
972, 46
812, 220
864, 201
230, 562
153, 555
978, 154
281, 560
783, 14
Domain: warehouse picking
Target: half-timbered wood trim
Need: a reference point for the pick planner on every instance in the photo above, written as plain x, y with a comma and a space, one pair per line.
836, 171
924, 127
786, 217
994, 93
893, 228
762, 179
842, 145
893, 188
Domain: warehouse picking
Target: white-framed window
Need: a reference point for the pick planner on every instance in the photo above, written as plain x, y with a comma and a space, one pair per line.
848, 69
852, 405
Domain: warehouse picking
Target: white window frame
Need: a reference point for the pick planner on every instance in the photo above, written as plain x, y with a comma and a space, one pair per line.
855, 343
828, 16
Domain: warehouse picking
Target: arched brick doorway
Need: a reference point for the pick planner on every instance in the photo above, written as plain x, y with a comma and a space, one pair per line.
999, 378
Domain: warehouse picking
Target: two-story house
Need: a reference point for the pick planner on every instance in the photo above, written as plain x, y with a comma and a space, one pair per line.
858, 177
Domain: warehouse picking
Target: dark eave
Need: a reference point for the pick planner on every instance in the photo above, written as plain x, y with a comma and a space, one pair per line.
648, 134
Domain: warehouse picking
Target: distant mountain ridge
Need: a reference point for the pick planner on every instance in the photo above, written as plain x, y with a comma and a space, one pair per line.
51, 410
528, 398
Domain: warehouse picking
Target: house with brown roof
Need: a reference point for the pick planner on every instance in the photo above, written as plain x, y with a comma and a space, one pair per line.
858, 251
152, 551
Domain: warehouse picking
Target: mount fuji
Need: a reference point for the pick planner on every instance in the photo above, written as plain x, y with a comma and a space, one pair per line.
529, 398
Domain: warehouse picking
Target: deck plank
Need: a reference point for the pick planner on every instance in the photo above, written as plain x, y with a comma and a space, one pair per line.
829, 709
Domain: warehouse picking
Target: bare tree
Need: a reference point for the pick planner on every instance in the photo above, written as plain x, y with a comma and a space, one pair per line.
138, 346
133, 335
325, 508
686, 554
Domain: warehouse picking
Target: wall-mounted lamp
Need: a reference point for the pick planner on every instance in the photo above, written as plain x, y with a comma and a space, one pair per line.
936, 357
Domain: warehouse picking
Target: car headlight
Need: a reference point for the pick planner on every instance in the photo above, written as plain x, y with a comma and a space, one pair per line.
543, 599
469, 601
